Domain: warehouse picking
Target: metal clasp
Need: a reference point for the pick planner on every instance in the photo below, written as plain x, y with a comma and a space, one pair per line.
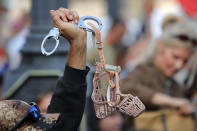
55, 34
81, 23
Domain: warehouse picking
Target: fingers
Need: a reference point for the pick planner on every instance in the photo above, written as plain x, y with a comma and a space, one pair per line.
185, 107
75, 17
70, 15
67, 15
57, 22
62, 16
65, 20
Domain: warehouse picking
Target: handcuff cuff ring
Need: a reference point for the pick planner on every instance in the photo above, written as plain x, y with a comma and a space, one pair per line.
55, 34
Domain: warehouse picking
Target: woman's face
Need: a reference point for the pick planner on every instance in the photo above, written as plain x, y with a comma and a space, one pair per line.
172, 59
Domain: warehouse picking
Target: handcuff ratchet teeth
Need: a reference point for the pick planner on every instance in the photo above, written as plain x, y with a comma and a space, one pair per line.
55, 34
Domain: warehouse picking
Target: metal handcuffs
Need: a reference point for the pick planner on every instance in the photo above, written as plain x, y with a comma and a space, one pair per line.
55, 34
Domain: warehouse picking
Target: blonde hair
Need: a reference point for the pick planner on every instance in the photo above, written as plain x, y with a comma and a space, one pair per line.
151, 51
173, 29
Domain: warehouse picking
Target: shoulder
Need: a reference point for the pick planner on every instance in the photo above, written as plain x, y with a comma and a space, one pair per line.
142, 70
143, 73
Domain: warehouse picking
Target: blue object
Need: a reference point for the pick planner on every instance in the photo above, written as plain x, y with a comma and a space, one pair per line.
32, 115
34, 112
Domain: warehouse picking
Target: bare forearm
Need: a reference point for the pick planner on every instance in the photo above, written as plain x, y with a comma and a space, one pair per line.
182, 105
77, 53
66, 21
163, 100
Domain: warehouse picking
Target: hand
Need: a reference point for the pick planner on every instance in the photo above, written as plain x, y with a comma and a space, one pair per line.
183, 106
66, 21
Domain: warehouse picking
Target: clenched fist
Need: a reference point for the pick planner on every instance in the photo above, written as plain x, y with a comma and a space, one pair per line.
66, 21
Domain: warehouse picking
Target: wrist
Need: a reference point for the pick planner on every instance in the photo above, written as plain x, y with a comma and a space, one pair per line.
77, 53
172, 102
78, 47
79, 41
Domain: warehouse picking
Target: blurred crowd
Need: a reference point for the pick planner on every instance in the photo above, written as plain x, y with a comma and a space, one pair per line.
14, 30
157, 55
158, 66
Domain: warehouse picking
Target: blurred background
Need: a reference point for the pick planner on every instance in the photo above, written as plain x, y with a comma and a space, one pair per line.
129, 26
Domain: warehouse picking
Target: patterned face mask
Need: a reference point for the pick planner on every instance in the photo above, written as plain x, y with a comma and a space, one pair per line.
106, 94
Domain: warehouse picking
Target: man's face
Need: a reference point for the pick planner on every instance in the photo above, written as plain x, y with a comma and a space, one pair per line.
172, 59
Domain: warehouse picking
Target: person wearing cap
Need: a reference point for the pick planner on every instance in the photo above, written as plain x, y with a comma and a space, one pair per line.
67, 104
152, 80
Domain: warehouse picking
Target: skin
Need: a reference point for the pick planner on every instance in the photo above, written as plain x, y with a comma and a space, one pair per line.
111, 123
170, 60
66, 21
44, 102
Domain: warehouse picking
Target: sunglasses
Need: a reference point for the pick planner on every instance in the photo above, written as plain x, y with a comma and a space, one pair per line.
185, 38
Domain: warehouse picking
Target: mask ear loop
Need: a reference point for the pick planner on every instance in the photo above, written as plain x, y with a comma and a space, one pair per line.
32, 115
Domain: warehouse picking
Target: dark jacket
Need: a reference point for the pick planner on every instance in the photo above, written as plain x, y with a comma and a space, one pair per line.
69, 99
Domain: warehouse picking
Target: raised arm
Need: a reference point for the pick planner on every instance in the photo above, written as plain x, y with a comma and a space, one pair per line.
69, 96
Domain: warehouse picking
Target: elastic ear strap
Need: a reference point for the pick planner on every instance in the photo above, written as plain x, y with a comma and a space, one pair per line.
99, 44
